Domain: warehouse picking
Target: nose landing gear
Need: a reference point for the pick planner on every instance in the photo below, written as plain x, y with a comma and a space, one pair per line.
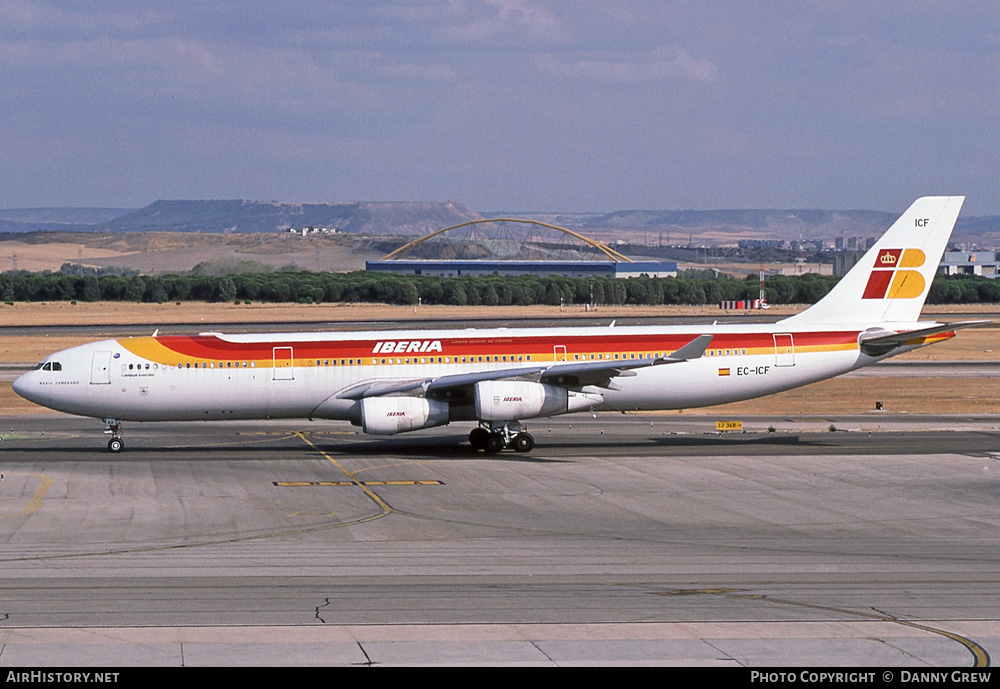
491, 437
116, 444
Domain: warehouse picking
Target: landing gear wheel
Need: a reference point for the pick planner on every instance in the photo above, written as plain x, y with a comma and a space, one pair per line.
494, 443
478, 438
116, 445
523, 442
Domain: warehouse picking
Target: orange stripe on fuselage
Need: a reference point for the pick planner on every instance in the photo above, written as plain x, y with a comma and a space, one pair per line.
171, 350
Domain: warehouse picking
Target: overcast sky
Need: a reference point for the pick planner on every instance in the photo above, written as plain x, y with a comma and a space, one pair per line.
501, 104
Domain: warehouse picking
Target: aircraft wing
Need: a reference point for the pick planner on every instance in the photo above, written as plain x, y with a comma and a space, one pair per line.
576, 374
880, 342
377, 388
600, 373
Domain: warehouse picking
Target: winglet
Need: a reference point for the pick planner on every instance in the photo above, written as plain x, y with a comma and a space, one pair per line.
692, 350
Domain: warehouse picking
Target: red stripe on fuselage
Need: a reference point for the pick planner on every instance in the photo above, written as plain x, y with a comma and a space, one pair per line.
212, 347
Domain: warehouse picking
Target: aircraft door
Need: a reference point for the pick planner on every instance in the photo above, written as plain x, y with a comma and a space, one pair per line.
100, 369
559, 353
784, 350
283, 366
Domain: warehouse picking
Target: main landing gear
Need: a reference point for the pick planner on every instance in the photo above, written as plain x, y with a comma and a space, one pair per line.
116, 444
494, 436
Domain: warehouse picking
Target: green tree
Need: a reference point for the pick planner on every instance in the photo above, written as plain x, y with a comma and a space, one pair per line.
225, 290
91, 290
490, 296
136, 289
408, 293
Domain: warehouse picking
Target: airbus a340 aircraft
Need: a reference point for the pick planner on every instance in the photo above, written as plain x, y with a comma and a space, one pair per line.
406, 380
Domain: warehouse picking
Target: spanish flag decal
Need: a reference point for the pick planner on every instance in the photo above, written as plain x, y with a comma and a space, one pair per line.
723, 371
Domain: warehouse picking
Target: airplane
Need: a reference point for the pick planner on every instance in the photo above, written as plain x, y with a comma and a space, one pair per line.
390, 382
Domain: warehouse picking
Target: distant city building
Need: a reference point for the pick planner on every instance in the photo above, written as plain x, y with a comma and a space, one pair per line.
843, 261
762, 243
564, 268
861, 244
786, 244
982, 263
312, 230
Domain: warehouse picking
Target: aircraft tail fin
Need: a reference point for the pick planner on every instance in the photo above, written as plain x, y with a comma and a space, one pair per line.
890, 282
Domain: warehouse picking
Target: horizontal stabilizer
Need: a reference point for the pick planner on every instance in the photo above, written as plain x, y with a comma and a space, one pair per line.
880, 343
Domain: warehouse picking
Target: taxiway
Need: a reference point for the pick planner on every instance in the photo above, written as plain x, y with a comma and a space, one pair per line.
621, 539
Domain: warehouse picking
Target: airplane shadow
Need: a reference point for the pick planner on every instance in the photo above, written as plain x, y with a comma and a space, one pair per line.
549, 449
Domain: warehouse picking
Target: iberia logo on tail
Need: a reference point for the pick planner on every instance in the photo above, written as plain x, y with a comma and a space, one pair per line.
890, 278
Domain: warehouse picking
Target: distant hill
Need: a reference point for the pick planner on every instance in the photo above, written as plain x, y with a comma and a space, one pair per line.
733, 224
56, 219
711, 227
730, 226
371, 218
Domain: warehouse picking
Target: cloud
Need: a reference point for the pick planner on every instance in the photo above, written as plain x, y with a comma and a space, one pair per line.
659, 64
510, 20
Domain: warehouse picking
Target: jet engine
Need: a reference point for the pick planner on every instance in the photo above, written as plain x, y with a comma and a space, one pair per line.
507, 400
391, 415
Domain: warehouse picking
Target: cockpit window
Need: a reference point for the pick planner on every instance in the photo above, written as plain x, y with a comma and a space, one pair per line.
49, 366
38, 366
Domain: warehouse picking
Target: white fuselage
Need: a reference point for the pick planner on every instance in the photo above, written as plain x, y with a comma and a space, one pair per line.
310, 375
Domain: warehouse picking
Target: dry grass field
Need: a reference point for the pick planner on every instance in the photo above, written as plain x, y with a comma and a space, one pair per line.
838, 396
166, 252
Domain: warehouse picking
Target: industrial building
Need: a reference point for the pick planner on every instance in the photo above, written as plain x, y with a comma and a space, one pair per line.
982, 263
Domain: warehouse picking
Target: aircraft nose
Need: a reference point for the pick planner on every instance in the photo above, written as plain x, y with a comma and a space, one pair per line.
22, 385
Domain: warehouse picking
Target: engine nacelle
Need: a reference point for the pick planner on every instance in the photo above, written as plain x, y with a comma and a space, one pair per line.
512, 400
391, 415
